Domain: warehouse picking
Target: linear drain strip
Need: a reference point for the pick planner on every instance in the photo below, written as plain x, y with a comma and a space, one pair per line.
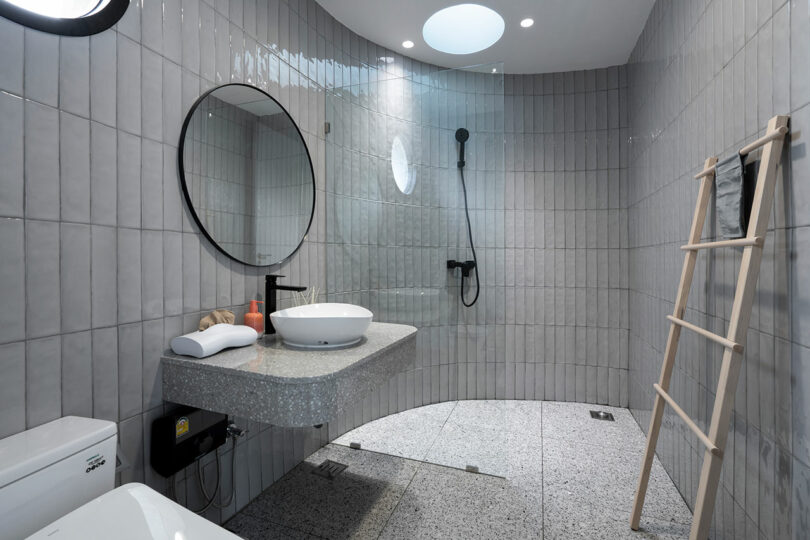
329, 469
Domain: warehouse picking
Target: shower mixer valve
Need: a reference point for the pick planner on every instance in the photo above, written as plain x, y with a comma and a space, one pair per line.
466, 266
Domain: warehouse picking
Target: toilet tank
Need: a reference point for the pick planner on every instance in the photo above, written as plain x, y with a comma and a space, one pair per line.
52, 469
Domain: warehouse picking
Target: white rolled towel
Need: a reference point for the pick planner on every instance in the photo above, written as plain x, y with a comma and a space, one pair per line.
214, 339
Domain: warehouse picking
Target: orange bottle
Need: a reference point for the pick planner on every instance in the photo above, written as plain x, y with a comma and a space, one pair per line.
253, 318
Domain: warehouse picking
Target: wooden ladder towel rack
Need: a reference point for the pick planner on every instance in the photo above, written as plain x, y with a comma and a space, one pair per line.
752, 244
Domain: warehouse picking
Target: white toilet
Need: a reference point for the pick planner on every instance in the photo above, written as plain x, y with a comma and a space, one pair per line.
56, 482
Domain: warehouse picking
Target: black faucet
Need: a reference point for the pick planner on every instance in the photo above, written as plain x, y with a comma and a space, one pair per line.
270, 287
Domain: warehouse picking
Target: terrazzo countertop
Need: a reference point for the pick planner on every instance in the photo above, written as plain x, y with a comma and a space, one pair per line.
272, 383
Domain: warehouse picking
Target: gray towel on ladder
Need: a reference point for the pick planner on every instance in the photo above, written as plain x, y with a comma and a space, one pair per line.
730, 197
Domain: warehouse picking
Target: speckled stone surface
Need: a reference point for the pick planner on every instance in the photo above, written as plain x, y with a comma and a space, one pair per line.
408, 434
586, 474
564, 521
447, 503
565, 421
515, 416
355, 504
271, 383
252, 528
561, 475
494, 451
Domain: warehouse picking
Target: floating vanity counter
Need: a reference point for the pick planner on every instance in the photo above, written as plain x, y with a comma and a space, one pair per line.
272, 383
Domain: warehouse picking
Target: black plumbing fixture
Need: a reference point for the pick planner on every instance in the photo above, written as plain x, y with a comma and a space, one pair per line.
270, 301
462, 135
465, 266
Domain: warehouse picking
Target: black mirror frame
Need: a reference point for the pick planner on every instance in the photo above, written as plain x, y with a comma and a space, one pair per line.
80, 26
187, 195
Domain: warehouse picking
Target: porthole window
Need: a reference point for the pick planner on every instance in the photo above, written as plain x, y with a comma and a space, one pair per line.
65, 17
404, 175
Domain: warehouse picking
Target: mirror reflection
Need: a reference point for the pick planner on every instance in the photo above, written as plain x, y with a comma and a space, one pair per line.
247, 174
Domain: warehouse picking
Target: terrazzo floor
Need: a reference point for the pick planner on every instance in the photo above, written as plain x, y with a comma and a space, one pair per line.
545, 470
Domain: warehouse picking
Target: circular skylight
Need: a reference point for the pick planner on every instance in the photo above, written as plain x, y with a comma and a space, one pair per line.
463, 29
64, 9
65, 17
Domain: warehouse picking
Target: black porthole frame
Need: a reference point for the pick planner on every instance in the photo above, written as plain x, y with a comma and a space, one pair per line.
80, 26
187, 195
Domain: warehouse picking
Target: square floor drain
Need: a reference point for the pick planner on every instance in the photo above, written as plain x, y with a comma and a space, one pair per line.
602, 415
329, 469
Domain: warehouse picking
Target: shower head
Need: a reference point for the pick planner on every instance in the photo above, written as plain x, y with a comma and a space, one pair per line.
461, 136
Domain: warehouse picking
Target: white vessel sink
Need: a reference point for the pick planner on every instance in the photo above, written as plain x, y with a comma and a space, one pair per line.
321, 326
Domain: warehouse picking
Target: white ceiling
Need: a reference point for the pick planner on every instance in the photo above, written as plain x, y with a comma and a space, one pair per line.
567, 34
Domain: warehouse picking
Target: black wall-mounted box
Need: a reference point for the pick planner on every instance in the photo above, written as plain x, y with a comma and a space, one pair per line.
185, 435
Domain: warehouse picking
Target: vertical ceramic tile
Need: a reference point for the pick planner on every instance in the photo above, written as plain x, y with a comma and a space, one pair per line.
152, 298
74, 75
42, 281
172, 30
11, 65
151, 375
151, 95
43, 381
152, 24
129, 275
74, 275
128, 187
12, 280
42, 67
103, 274
151, 168
77, 374
12, 388
103, 76
103, 175
173, 273
130, 365
128, 85
105, 373
41, 161
12, 155
74, 168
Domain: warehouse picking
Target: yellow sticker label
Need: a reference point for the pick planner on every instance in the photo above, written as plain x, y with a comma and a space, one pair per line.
180, 427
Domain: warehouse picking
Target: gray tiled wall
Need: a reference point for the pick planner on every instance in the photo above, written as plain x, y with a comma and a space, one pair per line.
548, 215
704, 78
100, 261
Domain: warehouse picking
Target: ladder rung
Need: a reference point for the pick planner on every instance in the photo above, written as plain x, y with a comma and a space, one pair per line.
762, 141
755, 241
725, 342
689, 422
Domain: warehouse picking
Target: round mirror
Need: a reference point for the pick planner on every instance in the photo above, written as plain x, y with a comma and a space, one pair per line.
247, 175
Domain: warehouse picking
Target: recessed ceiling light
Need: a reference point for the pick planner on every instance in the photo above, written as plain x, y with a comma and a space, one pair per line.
494, 70
525, 23
463, 29
407, 43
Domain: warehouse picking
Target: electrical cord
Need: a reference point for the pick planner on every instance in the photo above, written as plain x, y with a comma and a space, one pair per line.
201, 481
210, 499
472, 244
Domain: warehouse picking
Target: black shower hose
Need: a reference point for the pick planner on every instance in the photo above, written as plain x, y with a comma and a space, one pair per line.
472, 246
